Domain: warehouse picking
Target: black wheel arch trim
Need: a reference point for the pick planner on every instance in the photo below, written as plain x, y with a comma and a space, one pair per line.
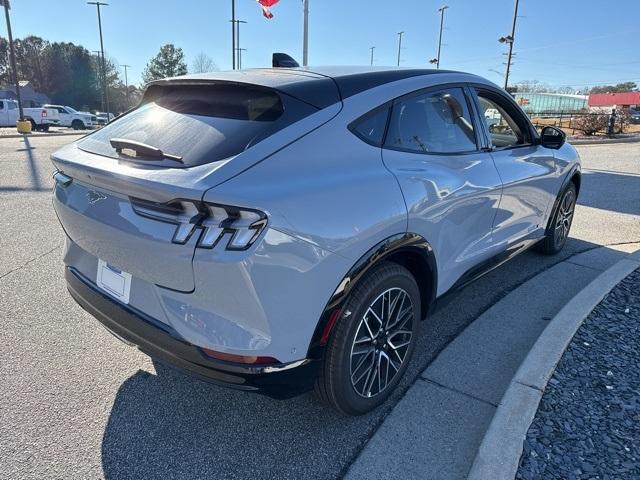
403, 243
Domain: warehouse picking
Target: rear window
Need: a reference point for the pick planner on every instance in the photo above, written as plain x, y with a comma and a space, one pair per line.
199, 123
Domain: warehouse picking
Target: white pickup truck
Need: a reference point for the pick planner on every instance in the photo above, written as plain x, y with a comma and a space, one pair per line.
70, 117
41, 118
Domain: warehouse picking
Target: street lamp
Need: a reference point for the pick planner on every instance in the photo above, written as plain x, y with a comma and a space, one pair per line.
305, 35
126, 86
399, 45
104, 67
237, 42
510, 39
441, 10
12, 56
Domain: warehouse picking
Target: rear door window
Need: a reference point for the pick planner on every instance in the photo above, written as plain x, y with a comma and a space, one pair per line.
432, 122
200, 123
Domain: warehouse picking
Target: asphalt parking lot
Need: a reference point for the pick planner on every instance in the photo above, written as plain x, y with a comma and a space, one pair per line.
77, 403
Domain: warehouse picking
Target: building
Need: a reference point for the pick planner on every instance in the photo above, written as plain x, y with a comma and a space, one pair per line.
550, 102
29, 97
608, 101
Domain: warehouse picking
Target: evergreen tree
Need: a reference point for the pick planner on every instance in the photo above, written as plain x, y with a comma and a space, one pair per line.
169, 62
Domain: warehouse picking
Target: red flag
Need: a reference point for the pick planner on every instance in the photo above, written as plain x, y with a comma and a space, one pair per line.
265, 4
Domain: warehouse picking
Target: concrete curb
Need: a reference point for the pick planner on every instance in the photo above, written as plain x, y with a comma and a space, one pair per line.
499, 454
42, 135
605, 141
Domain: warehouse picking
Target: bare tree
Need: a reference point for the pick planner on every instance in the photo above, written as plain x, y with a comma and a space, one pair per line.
203, 63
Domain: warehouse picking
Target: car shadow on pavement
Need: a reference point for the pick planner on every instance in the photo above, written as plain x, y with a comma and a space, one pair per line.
172, 425
624, 191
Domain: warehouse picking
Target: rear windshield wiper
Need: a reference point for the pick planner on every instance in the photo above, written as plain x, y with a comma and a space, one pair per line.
147, 151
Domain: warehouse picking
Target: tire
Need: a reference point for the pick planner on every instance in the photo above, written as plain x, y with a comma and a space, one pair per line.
45, 128
559, 223
77, 125
352, 383
34, 125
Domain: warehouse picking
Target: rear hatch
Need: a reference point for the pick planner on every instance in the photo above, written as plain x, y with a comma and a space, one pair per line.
129, 193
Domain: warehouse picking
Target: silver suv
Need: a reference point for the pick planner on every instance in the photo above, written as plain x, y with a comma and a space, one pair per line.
282, 229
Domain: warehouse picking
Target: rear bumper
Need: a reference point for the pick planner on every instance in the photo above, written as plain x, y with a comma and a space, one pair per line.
277, 381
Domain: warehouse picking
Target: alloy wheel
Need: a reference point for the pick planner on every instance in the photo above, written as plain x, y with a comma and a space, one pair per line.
565, 217
381, 342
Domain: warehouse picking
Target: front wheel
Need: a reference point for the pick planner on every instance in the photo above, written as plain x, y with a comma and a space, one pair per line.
77, 125
560, 223
372, 342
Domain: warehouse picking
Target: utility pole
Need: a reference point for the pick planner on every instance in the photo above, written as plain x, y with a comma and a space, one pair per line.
240, 50
233, 34
305, 35
399, 45
510, 39
12, 54
372, 49
126, 85
104, 66
441, 10
97, 54
237, 42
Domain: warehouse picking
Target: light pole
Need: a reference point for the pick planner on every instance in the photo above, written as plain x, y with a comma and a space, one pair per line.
13, 59
441, 10
305, 35
399, 45
233, 34
99, 78
510, 39
372, 49
237, 42
104, 67
126, 85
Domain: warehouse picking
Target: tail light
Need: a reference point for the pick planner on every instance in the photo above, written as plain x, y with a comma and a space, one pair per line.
44, 112
236, 228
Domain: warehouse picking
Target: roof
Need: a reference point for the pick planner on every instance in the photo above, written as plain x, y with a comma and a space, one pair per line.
321, 86
610, 99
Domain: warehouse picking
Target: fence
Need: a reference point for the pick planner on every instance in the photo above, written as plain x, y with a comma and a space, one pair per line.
587, 123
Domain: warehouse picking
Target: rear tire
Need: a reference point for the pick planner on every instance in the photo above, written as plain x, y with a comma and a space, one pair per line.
559, 223
364, 362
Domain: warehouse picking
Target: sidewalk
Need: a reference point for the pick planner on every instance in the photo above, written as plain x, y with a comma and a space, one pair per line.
435, 431
588, 421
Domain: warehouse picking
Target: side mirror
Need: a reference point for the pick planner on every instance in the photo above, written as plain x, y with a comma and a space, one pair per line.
552, 137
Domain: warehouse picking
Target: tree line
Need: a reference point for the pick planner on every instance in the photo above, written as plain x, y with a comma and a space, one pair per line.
71, 75
535, 86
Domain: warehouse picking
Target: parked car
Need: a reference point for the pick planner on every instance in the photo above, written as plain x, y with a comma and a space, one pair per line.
41, 118
102, 118
634, 116
70, 117
277, 230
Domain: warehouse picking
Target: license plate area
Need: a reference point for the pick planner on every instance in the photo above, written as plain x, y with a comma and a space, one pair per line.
113, 281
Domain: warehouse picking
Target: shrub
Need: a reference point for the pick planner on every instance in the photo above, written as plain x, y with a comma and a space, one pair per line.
591, 123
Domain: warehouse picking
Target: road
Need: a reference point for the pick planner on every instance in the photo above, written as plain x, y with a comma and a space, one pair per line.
77, 403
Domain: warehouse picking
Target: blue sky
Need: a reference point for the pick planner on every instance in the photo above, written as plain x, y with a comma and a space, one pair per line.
561, 42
